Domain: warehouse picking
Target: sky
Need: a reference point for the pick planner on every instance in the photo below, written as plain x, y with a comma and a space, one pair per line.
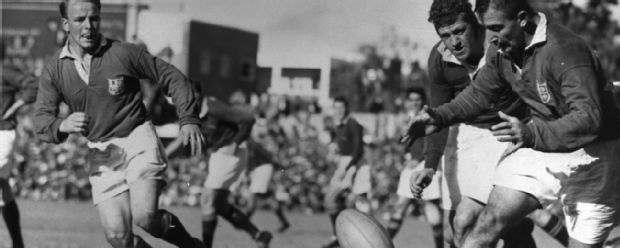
298, 28
317, 27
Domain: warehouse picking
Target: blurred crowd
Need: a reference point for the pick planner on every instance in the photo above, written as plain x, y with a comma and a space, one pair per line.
298, 133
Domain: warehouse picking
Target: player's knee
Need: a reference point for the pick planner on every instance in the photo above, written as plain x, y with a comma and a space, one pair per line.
463, 221
118, 237
489, 221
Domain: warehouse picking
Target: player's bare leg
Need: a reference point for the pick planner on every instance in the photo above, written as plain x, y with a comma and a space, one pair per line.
448, 228
467, 213
398, 214
144, 198
214, 203
434, 216
335, 202
505, 207
115, 217
10, 213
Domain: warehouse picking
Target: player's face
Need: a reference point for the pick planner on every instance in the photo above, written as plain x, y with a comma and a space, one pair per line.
504, 32
460, 38
340, 110
82, 24
414, 102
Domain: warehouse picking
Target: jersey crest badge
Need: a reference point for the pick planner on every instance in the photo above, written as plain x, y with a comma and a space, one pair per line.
543, 91
116, 86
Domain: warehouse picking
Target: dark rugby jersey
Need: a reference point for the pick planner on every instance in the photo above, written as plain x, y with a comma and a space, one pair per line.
349, 138
15, 85
112, 97
448, 77
561, 82
224, 125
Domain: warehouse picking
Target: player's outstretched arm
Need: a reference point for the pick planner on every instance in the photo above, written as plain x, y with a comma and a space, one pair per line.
421, 125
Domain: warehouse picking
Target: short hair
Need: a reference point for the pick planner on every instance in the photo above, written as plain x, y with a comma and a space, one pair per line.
416, 90
343, 100
447, 12
510, 7
65, 3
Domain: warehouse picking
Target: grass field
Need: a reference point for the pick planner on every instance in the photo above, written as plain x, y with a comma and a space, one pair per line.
76, 225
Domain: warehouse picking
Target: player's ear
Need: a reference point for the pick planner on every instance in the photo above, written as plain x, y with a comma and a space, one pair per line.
522, 18
65, 24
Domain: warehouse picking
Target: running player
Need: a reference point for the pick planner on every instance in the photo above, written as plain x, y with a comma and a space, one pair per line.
414, 161
226, 129
16, 90
263, 165
453, 61
98, 79
569, 147
350, 174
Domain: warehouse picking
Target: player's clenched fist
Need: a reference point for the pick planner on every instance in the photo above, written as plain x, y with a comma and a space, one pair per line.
75, 123
419, 180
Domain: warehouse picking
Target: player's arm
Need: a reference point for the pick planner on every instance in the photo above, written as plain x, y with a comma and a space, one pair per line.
243, 119
46, 122
579, 86
440, 92
480, 96
28, 88
173, 83
262, 152
357, 135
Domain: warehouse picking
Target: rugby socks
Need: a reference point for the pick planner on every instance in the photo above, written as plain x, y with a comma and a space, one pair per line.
394, 226
332, 218
520, 236
556, 229
172, 230
208, 231
239, 220
10, 212
438, 236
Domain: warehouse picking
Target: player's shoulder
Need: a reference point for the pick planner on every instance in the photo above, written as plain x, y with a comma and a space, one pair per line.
435, 57
117, 46
560, 40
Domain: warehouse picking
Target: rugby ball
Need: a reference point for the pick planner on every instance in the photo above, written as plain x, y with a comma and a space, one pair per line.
355, 229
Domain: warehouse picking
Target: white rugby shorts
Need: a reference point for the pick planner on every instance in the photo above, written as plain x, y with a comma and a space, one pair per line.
585, 181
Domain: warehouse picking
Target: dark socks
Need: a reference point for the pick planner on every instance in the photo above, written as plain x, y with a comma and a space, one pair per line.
172, 230
208, 232
438, 236
284, 224
394, 226
556, 229
520, 236
239, 220
332, 218
10, 212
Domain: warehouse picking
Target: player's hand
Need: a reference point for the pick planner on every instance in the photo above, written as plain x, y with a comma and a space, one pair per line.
419, 180
75, 123
421, 125
511, 130
191, 135
9, 112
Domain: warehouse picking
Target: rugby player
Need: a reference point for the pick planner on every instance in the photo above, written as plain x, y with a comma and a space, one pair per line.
568, 148
452, 63
350, 174
226, 129
16, 90
98, 78
414, 161
262, 164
